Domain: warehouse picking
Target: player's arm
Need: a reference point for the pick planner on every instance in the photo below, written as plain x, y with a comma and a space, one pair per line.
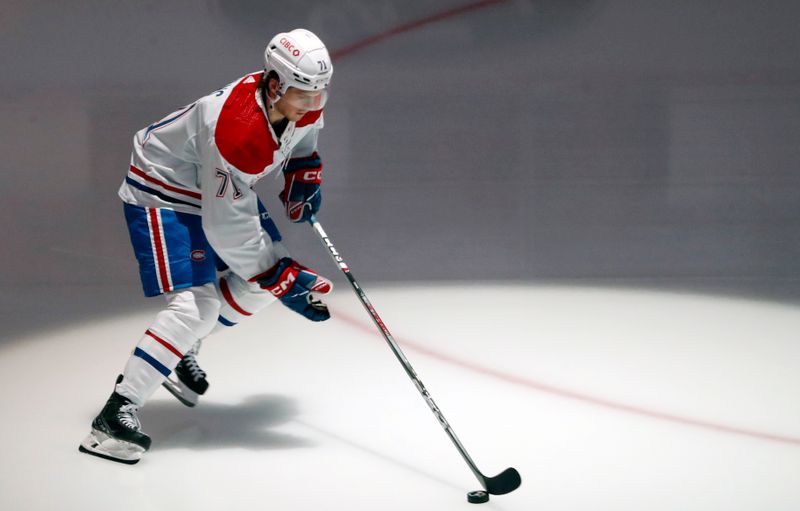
232, 224
302, 176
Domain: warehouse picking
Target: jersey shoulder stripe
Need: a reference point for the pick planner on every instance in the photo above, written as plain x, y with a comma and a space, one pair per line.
242, 134
153, 127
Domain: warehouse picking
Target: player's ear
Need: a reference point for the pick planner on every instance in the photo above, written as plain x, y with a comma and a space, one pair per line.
272, 83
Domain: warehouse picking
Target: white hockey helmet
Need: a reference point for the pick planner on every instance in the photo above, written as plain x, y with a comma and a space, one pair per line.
300, 60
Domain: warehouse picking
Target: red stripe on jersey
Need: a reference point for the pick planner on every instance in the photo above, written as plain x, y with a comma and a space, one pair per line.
161, 260
165, 344
242, 135
226, 293
308, 118
164, 185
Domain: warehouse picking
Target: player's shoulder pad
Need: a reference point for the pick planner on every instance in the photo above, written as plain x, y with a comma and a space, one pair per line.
309, 118
242, 135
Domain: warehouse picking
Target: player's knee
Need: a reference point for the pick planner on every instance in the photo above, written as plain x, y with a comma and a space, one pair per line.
207, 305
194, 310
208, 311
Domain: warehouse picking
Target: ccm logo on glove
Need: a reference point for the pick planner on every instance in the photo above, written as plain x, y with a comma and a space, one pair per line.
279, 288
292, 283
301, 195
311, 176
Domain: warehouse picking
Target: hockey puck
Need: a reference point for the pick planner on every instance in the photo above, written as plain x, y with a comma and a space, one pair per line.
477, 497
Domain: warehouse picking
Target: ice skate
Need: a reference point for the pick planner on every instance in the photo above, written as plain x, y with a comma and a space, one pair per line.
188, 382
117, 433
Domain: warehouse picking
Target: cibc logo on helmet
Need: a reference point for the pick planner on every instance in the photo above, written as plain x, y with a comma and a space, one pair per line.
289, 45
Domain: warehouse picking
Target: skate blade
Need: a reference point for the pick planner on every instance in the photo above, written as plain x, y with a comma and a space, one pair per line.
181, 392
100, 444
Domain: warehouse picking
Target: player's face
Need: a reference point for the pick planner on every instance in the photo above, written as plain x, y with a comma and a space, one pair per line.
295, 103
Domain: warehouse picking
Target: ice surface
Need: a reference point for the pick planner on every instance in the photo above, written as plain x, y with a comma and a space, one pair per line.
327, 419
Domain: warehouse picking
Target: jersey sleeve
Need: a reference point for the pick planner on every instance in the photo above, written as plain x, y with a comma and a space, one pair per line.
171, 139
307, 145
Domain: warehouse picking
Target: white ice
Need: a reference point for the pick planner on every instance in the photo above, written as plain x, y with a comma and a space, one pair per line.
304, 416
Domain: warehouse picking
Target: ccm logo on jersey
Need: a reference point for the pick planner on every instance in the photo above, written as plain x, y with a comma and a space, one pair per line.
289, 45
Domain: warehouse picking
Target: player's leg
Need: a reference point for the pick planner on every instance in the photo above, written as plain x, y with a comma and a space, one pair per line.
240, 301
188, 381
172, 262
190, 315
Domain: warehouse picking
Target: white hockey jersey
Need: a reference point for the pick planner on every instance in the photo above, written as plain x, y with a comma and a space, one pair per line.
205, 158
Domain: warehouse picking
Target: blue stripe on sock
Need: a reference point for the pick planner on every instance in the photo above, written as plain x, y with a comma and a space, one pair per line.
225, 321
161, 368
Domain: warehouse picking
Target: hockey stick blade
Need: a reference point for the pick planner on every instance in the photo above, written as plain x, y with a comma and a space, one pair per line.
505, 482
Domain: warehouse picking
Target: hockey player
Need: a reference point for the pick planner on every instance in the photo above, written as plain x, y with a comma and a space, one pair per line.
190, 206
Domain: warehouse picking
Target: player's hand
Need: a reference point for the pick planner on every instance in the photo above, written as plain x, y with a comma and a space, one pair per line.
292, 283
301, 195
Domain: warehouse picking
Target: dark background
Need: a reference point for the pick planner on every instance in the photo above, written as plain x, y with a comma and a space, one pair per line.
609, 142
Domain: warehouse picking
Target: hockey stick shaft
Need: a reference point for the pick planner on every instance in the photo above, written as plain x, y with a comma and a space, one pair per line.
396, 350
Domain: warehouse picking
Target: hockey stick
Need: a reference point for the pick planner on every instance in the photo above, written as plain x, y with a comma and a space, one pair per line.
505, 482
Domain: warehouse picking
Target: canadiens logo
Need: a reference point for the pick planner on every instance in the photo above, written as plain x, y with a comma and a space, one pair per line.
198, 255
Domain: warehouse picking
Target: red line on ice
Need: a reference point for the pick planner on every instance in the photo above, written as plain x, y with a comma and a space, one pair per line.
570, 394
510, 378
413, 25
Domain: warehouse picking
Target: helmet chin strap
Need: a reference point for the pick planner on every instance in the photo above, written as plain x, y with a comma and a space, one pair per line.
271, 102
278, 97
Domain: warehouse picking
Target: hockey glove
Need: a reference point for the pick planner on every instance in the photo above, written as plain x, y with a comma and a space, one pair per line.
292, 283
301, 194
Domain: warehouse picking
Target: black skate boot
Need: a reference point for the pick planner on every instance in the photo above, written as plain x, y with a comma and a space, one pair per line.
189, 381
116, 432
